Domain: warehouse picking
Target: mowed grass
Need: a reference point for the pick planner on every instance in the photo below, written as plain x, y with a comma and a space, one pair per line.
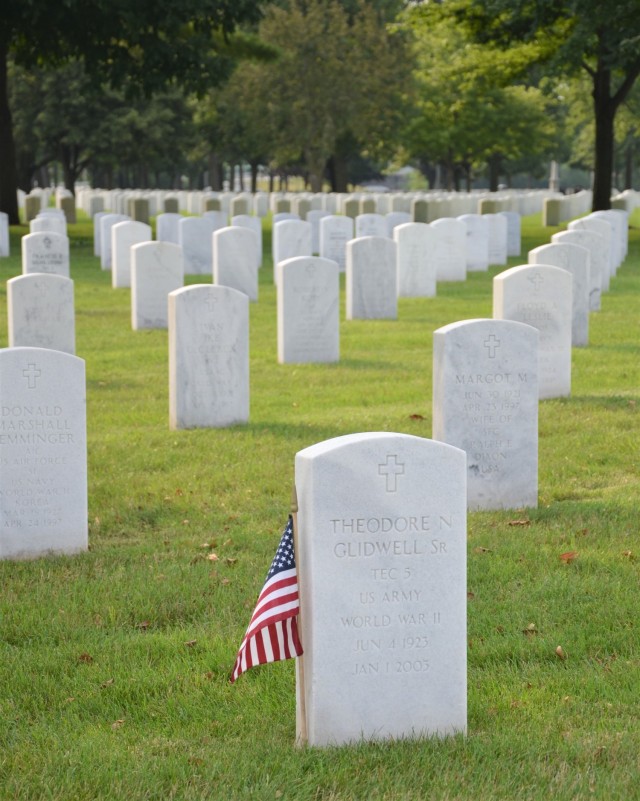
114, 664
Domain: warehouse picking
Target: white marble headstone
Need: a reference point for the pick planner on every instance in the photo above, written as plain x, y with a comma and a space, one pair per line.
45, 253
43, 469
253, 224
416, 260
485, 401
335, 232
604, 230
372, 279
514, 237
195, 236
157, 268
395, 218
497, 238
167, 227
382, 570
477, 242
449, 249
371, 224
235, 259
124, 236
541, 296
308, 310
106, 224
291, 238
41, 312
208, 357
598, 260
575, 260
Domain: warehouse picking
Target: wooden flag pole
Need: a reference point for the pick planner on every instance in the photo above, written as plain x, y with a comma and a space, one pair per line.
301, 708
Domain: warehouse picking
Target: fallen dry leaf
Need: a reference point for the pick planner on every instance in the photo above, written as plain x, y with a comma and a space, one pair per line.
208, 675
628, 555
530, 629
213, 557
118, 724
560, 653
568, 557
230, 561
480, 549
107, 683
416, 417
86, 658
225, 581
144, 625
519, 523
190, 643
471, 595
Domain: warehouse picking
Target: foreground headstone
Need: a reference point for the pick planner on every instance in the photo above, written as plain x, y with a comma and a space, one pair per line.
43, 469
371, 283
541, 296
157, 268
45, 253
382, 570
308, 310
41, 312
485, 401
575, 260
208, 357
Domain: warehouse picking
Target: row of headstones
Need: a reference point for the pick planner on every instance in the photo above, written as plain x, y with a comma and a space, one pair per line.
424, 206
401, 499
488, 375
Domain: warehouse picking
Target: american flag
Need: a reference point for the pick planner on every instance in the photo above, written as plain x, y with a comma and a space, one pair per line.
272, 634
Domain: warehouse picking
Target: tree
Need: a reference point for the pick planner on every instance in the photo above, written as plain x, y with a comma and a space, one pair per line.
590, 35
146, 45
468, 109
338, 74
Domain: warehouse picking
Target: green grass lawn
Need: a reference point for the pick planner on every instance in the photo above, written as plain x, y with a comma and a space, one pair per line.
114, 664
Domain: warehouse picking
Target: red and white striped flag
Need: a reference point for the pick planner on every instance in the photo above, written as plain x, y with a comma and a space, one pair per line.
272, 634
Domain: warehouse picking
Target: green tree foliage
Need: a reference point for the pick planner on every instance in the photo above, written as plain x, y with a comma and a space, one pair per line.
600, 38
141, 45
469, 112
61, 115
340, 74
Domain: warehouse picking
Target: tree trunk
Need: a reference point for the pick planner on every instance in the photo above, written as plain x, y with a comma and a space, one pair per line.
494, 162
254, 176
8, 172
628, 166
604, 109
338, 173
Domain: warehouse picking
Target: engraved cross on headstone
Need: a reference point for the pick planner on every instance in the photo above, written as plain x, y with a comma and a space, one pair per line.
492, 343
211, 301
537, 280
391, 469
31, 373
